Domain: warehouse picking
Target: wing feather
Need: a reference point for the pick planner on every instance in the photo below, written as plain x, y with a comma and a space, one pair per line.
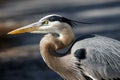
102, 58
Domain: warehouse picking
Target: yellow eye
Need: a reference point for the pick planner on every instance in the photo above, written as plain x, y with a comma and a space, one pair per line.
45, 22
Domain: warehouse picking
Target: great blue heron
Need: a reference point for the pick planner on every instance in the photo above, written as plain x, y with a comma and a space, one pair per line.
89, 57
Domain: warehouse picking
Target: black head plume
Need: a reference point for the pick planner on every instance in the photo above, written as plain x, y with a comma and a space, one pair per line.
56, 17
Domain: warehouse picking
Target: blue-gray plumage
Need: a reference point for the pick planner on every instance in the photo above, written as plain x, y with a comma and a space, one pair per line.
89, 57
102, 58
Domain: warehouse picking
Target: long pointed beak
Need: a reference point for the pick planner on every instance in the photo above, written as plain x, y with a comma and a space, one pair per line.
28, 28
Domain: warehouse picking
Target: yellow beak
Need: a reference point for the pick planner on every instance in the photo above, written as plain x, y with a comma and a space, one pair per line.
28, 28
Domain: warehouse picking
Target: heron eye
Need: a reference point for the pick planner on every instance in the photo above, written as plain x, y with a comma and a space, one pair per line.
45, 22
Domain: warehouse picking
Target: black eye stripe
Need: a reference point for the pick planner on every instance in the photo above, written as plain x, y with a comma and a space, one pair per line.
58, 18
55, 18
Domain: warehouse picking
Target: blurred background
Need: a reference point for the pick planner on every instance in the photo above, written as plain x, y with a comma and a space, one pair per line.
19, 54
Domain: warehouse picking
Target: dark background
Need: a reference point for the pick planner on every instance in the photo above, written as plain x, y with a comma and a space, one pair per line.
19, 54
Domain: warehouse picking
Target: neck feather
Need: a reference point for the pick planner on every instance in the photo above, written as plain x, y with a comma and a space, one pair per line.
50, 44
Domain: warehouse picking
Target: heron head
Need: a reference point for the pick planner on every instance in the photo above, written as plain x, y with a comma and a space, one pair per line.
48, 24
